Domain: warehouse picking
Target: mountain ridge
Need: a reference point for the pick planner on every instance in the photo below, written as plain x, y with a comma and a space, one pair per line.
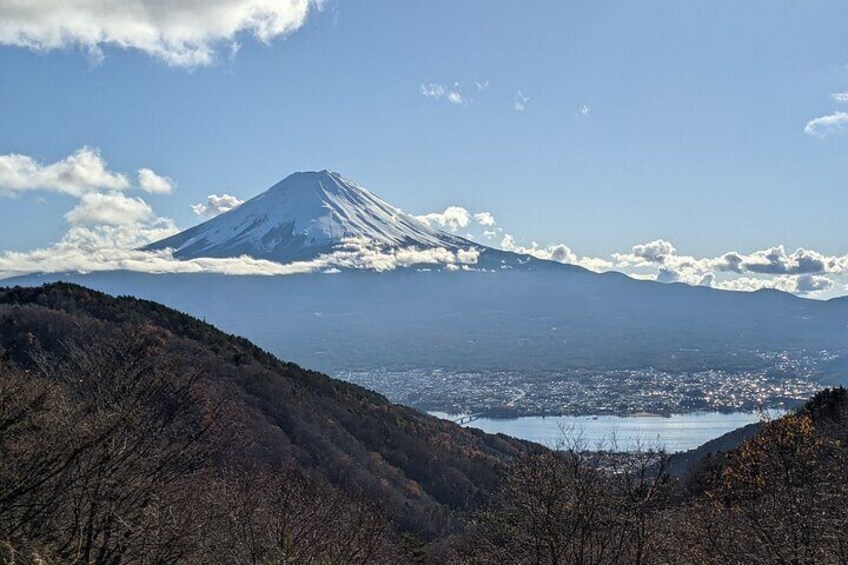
465, 321
424, 471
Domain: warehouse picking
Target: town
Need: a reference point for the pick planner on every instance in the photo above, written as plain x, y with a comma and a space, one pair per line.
786, 380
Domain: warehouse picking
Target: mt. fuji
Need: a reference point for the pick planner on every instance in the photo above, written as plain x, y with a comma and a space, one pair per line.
305, 215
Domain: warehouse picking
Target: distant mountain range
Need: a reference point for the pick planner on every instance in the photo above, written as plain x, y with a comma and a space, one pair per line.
504, 311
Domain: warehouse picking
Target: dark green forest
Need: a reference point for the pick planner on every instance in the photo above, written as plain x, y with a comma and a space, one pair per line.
132, 433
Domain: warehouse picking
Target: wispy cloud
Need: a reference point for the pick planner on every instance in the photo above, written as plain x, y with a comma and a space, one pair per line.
521, 101
584, 111
439, 92
432, 90
455, 97
825, 125
182, 33
836, 122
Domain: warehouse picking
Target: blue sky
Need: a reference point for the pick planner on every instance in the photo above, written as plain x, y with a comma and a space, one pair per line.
641, 121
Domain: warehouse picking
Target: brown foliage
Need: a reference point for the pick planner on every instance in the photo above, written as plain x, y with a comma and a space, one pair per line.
113, 454
561, 507
781, 498
284, 517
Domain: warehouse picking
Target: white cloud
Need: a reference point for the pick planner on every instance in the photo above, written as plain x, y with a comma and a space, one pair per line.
557, 252
840, 97
454, 218
665, 275
152, 183
775, 260
596, 264
432, 90
801, 272
508, 243
654, 251
83, 172
182, 33
455, 97
485, 219
812, 283
825, 125
561, 253
109, 209
216, 205
584, 111
438, 92
803, 284
521, 102
481, 85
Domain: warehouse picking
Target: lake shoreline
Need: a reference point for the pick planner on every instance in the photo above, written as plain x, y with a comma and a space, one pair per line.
499, 414
600, 432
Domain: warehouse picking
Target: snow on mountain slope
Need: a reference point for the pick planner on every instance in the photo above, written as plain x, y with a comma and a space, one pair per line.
303, 216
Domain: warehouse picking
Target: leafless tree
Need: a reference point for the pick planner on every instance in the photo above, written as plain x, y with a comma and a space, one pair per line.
577, 507
286, 517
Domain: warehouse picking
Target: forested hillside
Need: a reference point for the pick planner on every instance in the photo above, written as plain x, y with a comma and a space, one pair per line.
126, 427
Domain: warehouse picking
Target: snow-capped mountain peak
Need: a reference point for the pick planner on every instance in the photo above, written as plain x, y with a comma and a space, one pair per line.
302, 216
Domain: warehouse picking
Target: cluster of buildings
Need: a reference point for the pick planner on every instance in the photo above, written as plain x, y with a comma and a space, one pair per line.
786, 379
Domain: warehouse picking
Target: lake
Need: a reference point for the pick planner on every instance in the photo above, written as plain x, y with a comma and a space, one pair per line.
679, 432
